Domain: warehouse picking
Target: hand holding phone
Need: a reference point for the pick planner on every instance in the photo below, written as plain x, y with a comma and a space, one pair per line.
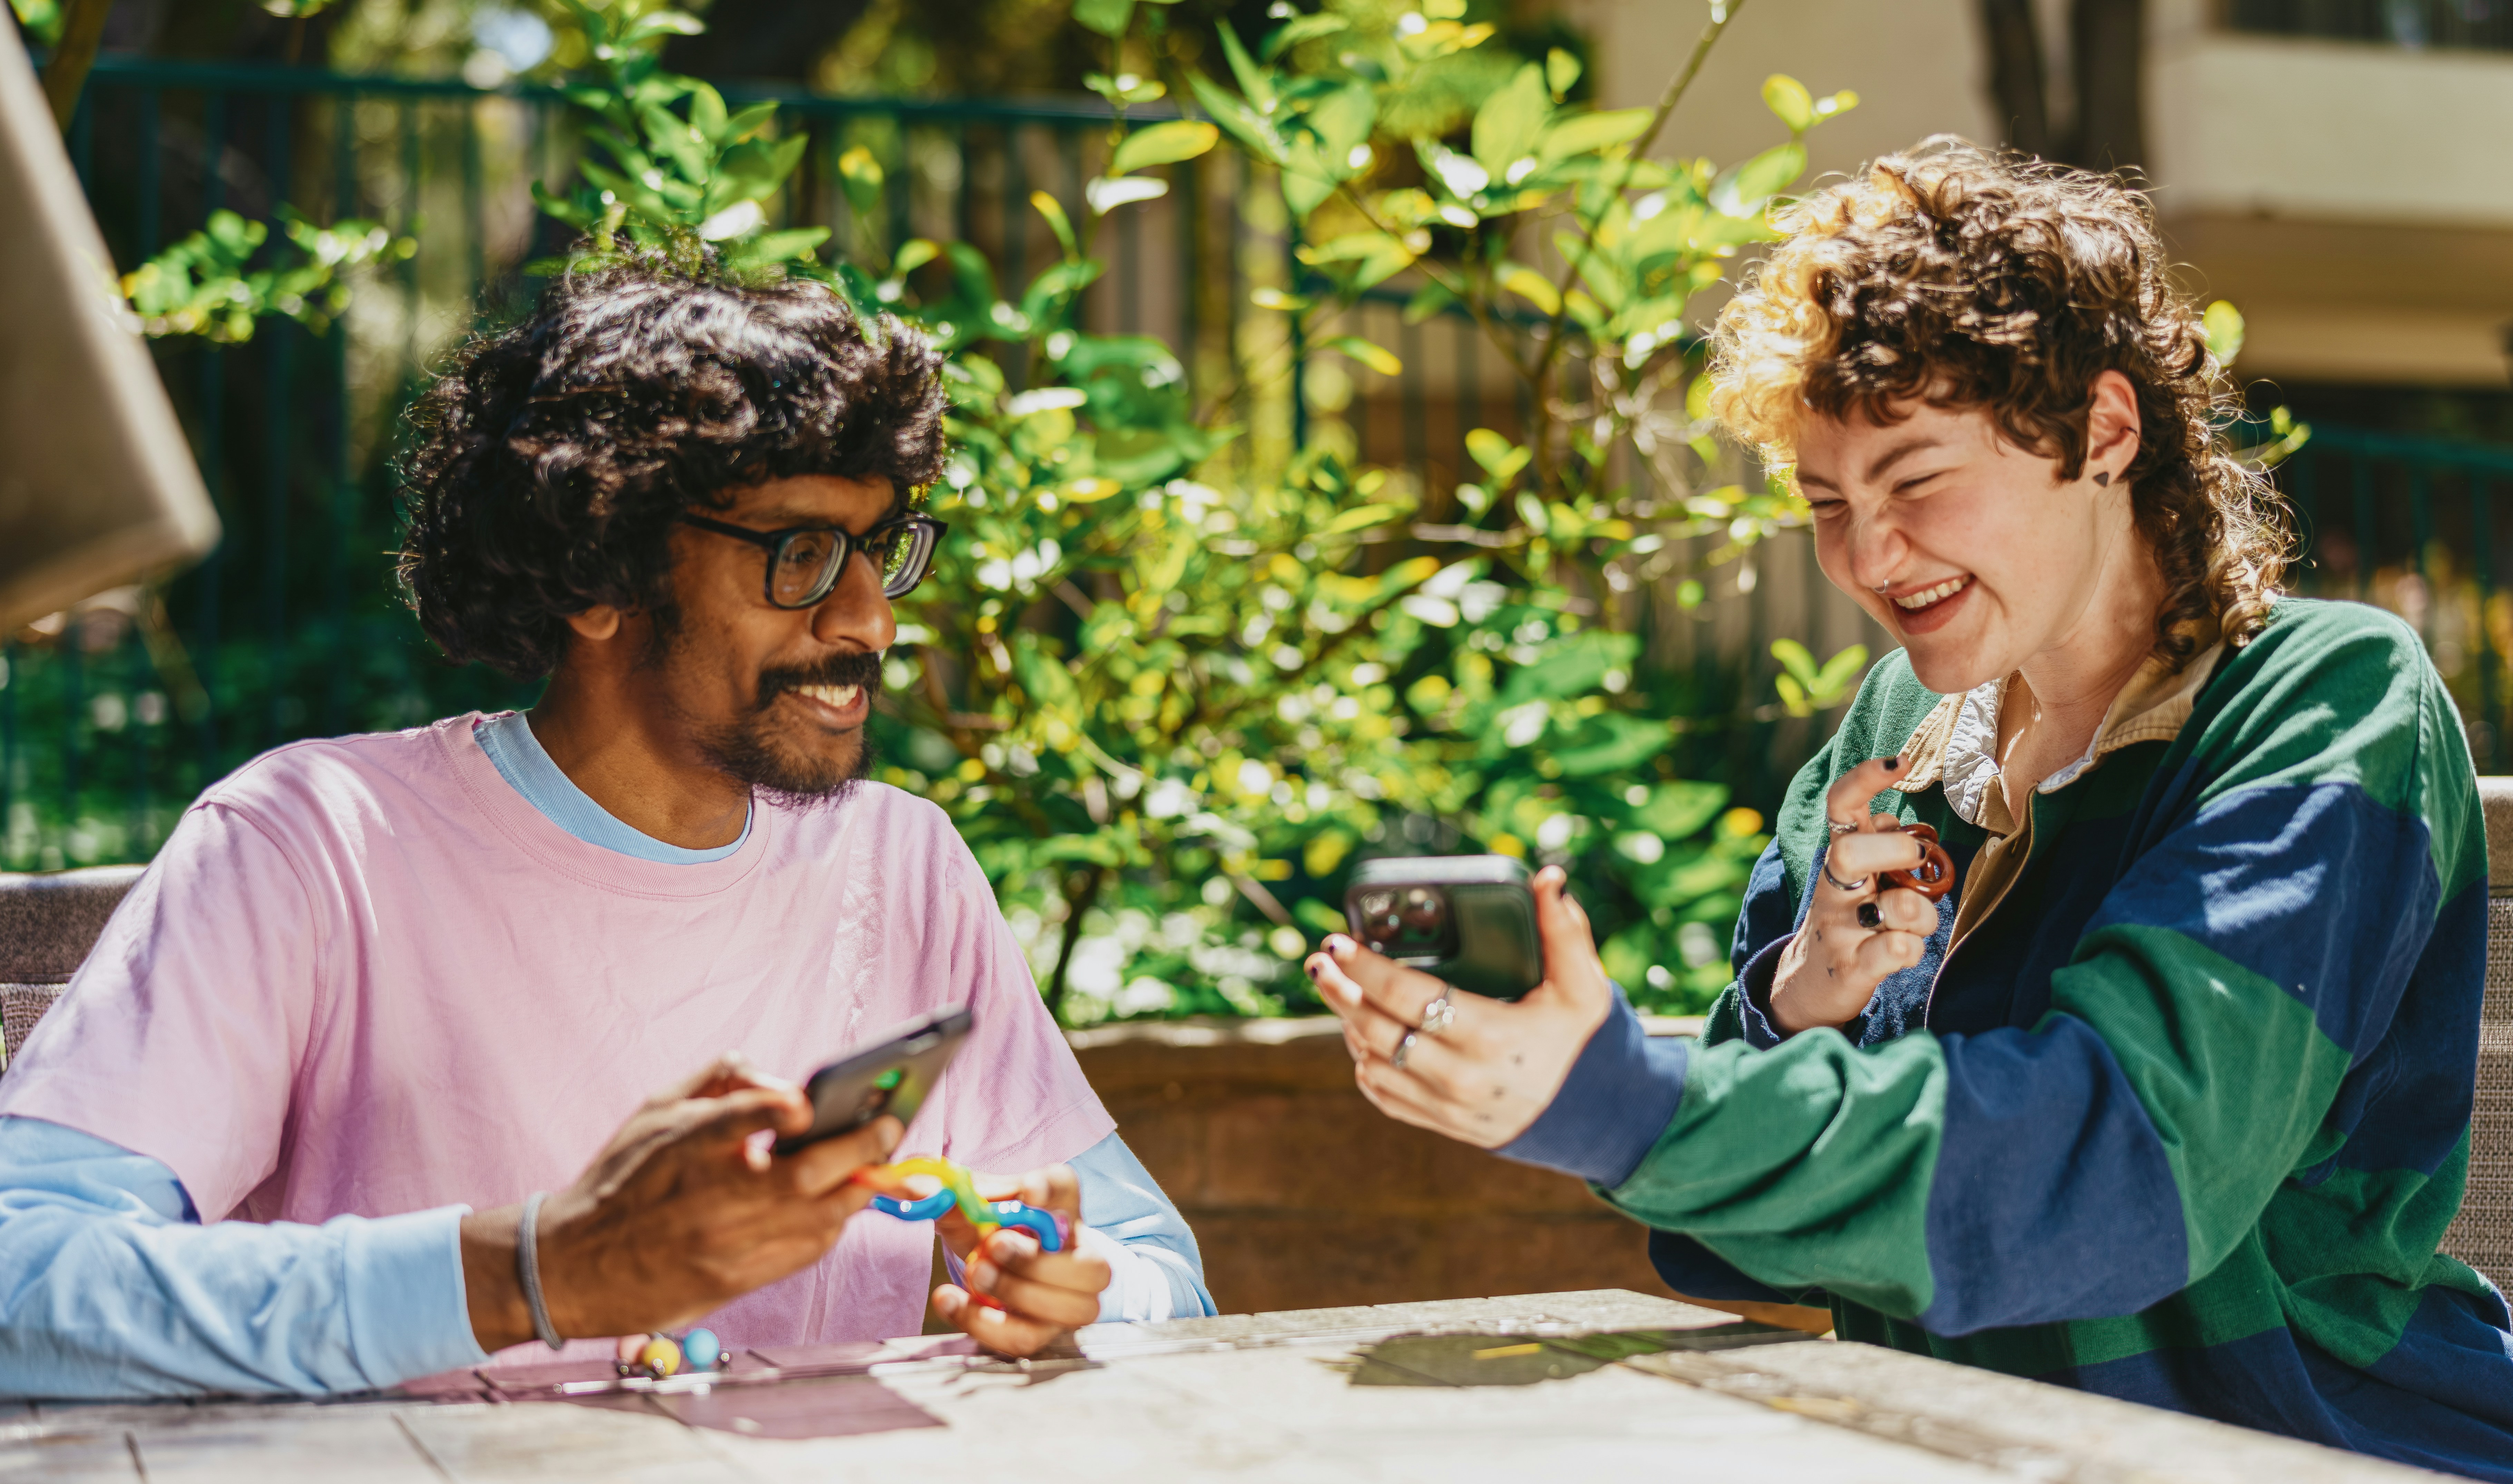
1468, 919
891, 1077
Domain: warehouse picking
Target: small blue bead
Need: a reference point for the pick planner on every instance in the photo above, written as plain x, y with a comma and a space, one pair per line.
701, 1349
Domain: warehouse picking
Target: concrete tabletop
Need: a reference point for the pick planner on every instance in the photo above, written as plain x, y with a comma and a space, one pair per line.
1244, 1397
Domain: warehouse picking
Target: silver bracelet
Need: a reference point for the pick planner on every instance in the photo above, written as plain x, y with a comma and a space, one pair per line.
527, 1263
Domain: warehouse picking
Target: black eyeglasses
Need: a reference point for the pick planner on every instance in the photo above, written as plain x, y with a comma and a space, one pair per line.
805, 562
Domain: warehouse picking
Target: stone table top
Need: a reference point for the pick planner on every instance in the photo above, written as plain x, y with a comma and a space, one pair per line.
1253, 1397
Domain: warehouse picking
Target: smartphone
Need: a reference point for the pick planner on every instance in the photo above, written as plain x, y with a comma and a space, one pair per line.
1468, 919
891, 1077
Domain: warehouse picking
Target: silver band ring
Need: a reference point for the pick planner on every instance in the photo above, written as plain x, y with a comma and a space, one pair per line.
1403, 1049
1858, 885
1439, 1015
1839, 828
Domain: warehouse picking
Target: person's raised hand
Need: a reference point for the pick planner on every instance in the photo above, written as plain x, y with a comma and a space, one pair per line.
1497, 1063
685, 1210
1858, 929
1040, 1294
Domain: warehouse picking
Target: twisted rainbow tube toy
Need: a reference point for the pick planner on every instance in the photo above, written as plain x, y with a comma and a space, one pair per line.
957, 1189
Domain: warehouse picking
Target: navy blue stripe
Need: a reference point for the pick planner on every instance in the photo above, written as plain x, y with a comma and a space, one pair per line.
2408, 1105
1618, 1098
2046, 1150
2316, 888
1696, 1272
2278, 1382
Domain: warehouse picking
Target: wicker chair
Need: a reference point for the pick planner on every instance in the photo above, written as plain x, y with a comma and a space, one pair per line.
49, 922
47, 925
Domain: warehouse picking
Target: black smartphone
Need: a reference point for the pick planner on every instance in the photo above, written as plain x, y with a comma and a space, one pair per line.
891, 1077
1468, 919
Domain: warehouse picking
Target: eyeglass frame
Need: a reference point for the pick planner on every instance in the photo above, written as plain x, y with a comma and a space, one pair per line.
849, 546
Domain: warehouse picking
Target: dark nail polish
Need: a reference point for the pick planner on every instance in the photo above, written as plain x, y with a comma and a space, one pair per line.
1892, 765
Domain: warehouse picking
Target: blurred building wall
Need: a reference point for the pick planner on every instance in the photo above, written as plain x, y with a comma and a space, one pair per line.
2353, 197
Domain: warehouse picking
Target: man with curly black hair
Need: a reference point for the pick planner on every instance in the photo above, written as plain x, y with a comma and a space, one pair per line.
394, 985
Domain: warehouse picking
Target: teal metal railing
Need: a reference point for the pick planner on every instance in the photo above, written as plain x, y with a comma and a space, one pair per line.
2418, 526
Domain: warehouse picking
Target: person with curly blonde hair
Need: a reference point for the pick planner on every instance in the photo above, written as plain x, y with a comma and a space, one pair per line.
2107, 1003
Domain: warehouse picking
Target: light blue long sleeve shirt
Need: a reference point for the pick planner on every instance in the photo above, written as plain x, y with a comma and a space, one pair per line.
111, 1286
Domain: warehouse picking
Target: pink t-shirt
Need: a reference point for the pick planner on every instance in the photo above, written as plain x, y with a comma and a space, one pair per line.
365, 977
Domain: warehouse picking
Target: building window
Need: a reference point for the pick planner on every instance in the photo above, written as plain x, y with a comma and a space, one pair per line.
2415, 25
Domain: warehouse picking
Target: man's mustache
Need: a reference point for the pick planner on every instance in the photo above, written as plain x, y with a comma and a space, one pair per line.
863, 670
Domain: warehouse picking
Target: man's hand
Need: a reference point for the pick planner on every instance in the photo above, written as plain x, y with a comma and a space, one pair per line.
1498, 1063
1043, 1294
683, 1211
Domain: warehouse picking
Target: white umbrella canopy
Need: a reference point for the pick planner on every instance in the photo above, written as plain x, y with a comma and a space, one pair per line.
97, 485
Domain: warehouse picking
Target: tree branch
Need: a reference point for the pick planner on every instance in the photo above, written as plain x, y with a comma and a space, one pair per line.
1676, 88
65, 75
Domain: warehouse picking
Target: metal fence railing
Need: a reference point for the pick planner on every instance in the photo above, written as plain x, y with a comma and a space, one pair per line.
2417, 25
2420, 525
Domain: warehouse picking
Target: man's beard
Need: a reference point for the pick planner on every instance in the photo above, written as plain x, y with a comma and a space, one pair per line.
746, 748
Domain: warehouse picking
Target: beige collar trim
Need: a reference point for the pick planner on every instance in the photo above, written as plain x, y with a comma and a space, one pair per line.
1957, 742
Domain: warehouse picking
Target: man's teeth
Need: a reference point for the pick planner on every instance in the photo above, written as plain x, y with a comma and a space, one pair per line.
1938, 594
838, 697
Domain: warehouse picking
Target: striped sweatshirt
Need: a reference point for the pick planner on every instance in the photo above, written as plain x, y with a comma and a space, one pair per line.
2175, 1109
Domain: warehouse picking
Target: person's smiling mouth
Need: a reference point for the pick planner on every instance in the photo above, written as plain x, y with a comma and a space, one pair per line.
1920, 608
833, 706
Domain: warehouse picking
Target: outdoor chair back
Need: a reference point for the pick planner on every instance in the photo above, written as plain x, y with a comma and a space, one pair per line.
47, 925
2481, 1235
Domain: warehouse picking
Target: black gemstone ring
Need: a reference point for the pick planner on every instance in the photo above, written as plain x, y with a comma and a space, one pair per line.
1870, 915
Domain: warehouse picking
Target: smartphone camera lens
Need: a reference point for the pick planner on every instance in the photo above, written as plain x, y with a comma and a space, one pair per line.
1423, 911
1378, 919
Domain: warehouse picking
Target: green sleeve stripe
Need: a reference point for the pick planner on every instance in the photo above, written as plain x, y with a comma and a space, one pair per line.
1808, 1165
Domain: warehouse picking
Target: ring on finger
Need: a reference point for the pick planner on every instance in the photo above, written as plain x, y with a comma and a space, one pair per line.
1403, 1049
1870, 915
1838, 884
1839, 828
1439, 1015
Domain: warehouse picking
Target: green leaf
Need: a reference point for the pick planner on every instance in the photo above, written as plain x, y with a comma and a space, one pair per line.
781, 247
860, 175
1743, 188
661, 23
1362, 517
1105, 193
1299, 28
2223, 326
1677, 810
1561, 71
1109, 18
742, 125
1057, 220
1531, 286
1240, 121
1612, 742
1254, 80
1164, 144
1789, 102
1581, 132
1574, 665
1795, 659
1511, 121
1501, 458
1842, 669
1427, 301
1343, 121
1377, 357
